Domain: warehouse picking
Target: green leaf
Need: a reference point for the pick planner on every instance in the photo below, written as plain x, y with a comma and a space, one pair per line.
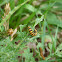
30, 7
52, 19
38, 20
21, 27
59, 50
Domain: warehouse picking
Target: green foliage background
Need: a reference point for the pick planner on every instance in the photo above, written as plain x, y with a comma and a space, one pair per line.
50, 15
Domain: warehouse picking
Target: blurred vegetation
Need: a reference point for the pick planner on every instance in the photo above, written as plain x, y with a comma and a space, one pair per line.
43, 15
